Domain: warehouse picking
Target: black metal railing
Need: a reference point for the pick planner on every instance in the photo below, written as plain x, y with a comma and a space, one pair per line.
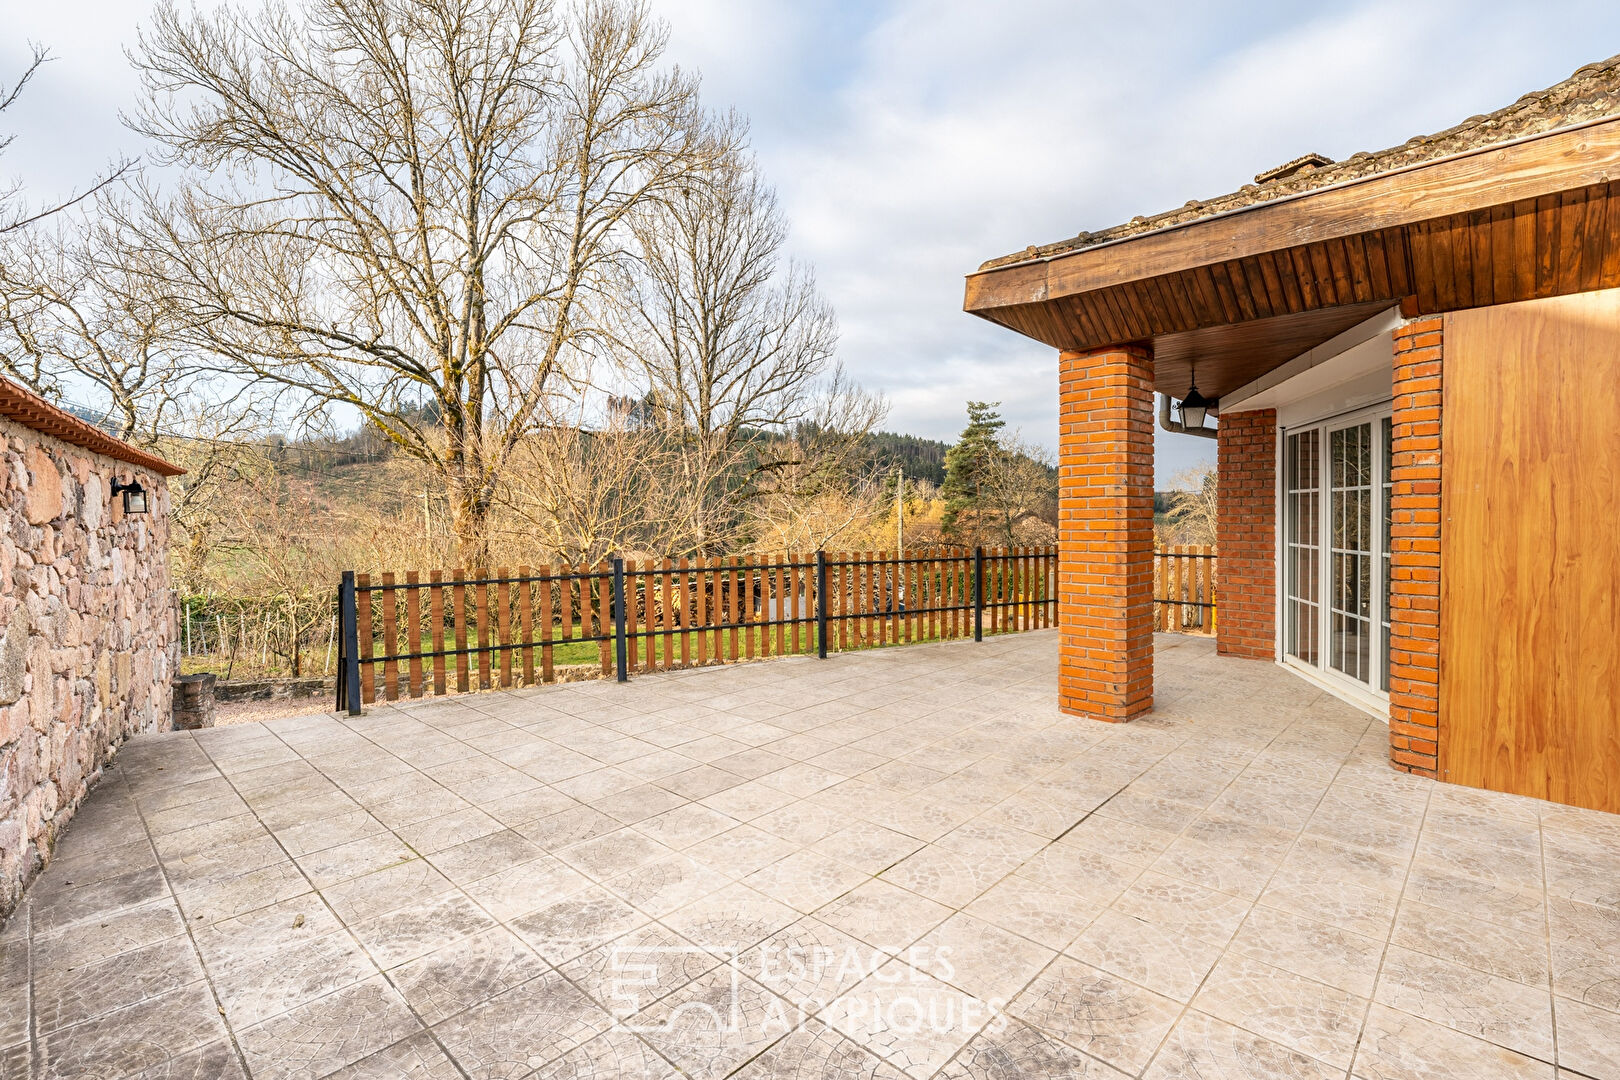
654, 615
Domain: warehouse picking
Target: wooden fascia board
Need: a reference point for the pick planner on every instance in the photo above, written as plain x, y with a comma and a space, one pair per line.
1557, 161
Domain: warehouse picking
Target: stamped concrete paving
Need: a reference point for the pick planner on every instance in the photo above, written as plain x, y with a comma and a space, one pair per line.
893, 863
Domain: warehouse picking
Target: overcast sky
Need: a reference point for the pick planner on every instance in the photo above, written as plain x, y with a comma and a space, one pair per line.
911, 140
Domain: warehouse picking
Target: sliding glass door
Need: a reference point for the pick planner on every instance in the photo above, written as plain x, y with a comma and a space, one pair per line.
1335, 568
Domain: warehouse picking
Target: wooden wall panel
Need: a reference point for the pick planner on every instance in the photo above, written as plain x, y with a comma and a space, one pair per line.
1530, 550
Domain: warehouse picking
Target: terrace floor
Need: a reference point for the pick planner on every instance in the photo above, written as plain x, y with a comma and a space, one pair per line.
898, 862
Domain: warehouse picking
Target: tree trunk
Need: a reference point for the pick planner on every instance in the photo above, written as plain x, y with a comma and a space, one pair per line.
469, 520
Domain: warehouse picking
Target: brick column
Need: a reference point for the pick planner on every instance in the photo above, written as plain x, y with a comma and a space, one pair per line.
1414, 550
1246, 536
1105, 532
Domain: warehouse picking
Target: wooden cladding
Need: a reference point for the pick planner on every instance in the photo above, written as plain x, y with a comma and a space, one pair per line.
1552, 245
1529, 696
416, 636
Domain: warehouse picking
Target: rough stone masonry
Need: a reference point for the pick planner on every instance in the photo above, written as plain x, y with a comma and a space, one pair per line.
87, 635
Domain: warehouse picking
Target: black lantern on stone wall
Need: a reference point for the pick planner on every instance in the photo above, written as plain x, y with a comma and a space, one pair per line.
134, 496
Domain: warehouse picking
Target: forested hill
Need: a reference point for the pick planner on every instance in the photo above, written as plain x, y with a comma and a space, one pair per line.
922, 459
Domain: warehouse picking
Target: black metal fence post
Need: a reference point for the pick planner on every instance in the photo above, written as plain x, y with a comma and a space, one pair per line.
621, 646
348, 690
821, 603
978, 594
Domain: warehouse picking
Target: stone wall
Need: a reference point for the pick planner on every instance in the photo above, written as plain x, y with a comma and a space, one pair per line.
87, 634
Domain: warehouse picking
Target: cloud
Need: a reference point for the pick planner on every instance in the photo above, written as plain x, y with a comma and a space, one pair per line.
913, 139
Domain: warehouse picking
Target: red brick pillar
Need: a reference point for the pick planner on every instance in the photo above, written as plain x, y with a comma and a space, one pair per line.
1105, 532
1414, 549
1246, 536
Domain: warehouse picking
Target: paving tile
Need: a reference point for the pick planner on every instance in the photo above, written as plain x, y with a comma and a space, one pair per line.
1507, 1013
666, 883
69, 995
484, 856
467, 971
1313, 949
909, 1018
213, 1061
950, 877
420, 928
522, 1029
328, 1033
633, 972
1170, 962
57, 904
142, 1036
817, 1052
1302, 1014
1184, 907
715, 1023
577, 923
978, 957
1098, 1013
526, 887
810, 963
1201, 1047
730, 920
687, 825
806, 879
334, 865
383, 891
740, 851
256, 985
86, 942
1400, 1046
1009, 1050
1035, 910
615, 1053
612, 854
416, 1057
1588, 1038
440, 833
1499, 950
883, 915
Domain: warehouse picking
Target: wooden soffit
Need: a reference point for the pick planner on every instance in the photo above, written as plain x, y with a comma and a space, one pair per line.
1234, 293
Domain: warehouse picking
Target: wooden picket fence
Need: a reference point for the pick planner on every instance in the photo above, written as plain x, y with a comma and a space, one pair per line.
410, 635
1184, 589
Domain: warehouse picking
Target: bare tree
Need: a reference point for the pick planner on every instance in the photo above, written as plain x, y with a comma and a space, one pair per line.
73, 317
416, 210
733, 344
1194, 499
1018, 494
14, 215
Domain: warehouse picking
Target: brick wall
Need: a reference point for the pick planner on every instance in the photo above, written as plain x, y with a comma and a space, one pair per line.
1246, 536
1105, 532
86, 634
1414, 602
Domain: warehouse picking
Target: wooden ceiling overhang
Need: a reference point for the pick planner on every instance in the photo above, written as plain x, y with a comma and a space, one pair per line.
1243, 292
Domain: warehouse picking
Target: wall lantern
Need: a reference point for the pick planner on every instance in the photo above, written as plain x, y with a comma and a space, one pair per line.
1194, 407
134, 496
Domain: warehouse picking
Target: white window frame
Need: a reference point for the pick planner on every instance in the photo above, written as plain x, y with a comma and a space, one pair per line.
1368, 696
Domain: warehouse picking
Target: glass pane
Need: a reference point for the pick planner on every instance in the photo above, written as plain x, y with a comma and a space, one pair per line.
1302, 496
1350, 539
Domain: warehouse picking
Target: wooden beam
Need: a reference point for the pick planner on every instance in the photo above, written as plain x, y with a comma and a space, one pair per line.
1539, 167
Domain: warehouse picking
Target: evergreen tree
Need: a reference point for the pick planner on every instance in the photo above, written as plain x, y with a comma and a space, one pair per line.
967, 462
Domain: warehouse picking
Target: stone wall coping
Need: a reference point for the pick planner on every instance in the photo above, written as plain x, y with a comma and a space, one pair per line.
32, 411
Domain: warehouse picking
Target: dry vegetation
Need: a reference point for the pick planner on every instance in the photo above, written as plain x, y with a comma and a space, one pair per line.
509, 250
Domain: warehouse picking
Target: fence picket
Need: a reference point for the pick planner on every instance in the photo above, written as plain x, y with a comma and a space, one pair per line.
458, 600
436, 628
368, 670
503, 623
413, 632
